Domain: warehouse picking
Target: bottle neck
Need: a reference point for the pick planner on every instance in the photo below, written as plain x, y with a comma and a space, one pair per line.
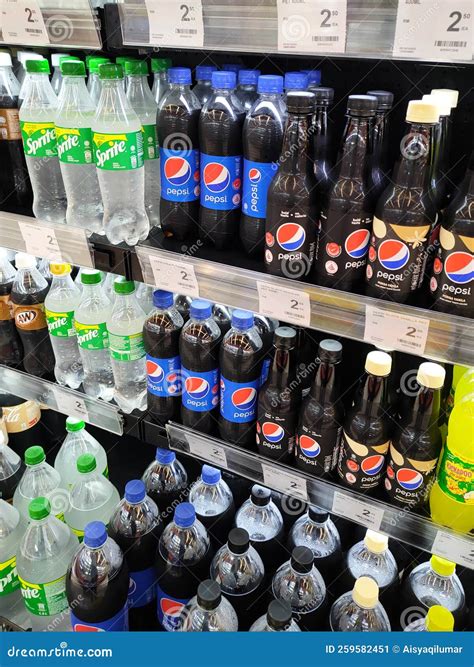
356, 146
321, 133
380, 139
283, 368
415, 165
295, 155
424, 412
325, 388
179, 87
372, 399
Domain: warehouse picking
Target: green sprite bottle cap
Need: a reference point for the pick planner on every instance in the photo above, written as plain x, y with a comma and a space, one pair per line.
37, 67
123, 286
86, 463
64, 59
136, 68
73, 424
94, 63
73, 68
109, 71
160, 64
91, 277
34, 455
39, 508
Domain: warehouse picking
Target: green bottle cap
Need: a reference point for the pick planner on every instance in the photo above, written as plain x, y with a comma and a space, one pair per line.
91, 277
136, 68
39, 508
160, 64
95, 62
123, 286
73, 68
64, 59
73, 424
110, 71
37, 67
86, 463
34, 455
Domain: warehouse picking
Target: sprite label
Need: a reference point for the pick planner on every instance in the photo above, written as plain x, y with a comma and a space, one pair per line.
92, 336
127, 348
150, 142
75, 145
39, 139
45, 599
118, 152
456, 478
8, 577
61, 324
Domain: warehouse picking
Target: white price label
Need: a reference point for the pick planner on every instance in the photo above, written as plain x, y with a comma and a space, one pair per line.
209, 452
285, 482
69, 404
394, 330
434, 29
40, 241
288, 305
22, 22
175, 23
456, 549
357, 510
312, 26
174, 276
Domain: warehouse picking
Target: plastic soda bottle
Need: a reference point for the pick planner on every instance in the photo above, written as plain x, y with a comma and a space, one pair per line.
77, 442
12, 527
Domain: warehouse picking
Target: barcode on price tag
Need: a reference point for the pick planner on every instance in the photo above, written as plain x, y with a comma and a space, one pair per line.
312, 26
209, 452
22, 22
357, 510
70, 404
40, 241
285, 482
453, 548
395, 330
174, 276
288, 305
174, 23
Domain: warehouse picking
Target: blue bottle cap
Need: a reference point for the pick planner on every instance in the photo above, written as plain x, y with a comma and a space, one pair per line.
205, 71
135, 491
249, 76
270, 83
242, 319
162, 299
201, 309
164, 456
184, 515
180, 75
296, 81
232, 67
210, 475
95, 534
225, 80
314, 76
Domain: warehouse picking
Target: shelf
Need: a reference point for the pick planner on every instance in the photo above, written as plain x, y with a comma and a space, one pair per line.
407, 527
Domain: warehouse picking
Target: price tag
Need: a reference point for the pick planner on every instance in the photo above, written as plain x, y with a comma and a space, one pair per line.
209, 452
285, 482
434, 30
389, 329
22, 22
175, 23
174, 276
357, 510
70, 404
453, 548
40, 241
312, 26
281, 303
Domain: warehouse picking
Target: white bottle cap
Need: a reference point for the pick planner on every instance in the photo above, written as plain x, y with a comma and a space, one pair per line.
365, 592
55, 57
431, 375
441, 101
375, 542
3, 254
422, 112
452, 95
378, 363
25, 261
23, 56
5, 59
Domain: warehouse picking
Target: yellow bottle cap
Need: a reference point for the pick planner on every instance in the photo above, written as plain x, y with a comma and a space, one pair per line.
375, 542
422, 112
365, 592
441, 101
378, 363
439, 619
59, 268
441, 566
431, 375
452, 95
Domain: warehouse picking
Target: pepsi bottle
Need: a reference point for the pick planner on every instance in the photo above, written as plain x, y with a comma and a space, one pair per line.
246, 91
314, 78
220, 136
295, 81
262, 142
203, 87
379, 169
212, 499
324, 97
177, 123
346, 215
199, 350
291, 204
166, 482
266, 327
183, 305
279, 400
320, 426
221, 315
161, 332
241, 366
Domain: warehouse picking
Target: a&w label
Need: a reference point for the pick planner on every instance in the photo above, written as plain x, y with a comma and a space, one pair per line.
39, 139
118, 152
75, 145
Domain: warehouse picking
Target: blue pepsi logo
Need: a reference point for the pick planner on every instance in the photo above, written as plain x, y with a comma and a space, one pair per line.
309, 446
459, 267
197, 387
244, 398
255, 175
357, 243
409, 479
216, 177
177, 170
291, 236
272, 432
154, 370
373, 464
393, 254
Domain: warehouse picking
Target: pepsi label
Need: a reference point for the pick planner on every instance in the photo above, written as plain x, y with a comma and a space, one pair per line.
453, 273
256, 181
265, 371
169, 609
276, 434
317, 451
361, 466
118, 623
142, 587
179, 175
163, 376
200, 389
407, 481
221, 182
239, 400
289, 240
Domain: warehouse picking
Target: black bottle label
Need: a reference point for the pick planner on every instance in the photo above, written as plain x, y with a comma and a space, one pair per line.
408, 481
276, 434
289, 241
361, 466
317, 450
453, 273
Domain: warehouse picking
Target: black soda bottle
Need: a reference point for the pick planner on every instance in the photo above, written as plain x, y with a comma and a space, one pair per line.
324, 97
177, 125
440, 180
320, 426
279, 400
166, 482
199, 350
220, 137
405, 214
161, 332
346, 216
262, 141
203, 87
365, 435
290, 228
11, 350
266, 327
241, 367
379, 169
221, 315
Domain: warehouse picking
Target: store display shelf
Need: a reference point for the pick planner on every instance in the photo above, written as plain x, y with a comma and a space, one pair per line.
398, 523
